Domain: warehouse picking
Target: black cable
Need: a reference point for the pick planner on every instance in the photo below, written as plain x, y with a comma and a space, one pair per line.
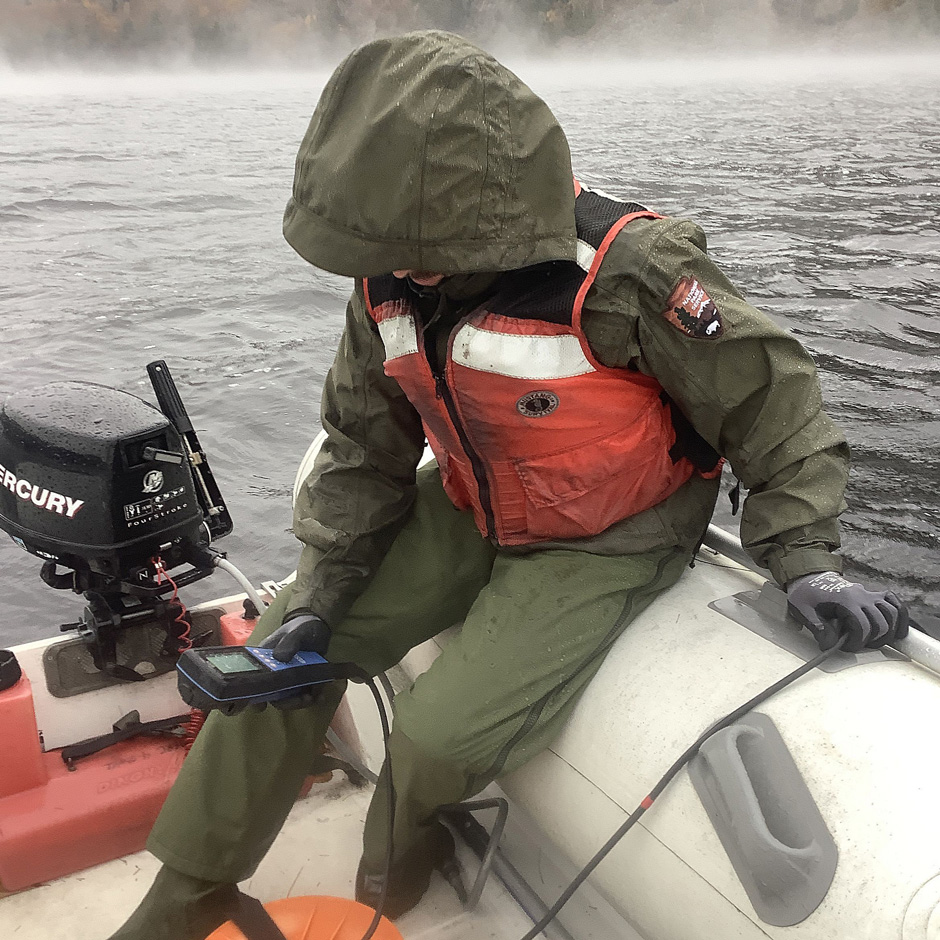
631, 820
664, 781
386, 731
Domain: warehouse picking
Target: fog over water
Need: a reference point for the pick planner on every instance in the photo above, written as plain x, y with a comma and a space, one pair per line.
140, 219
698, 34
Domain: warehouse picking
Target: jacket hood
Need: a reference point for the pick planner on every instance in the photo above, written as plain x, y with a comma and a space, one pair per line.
424, 153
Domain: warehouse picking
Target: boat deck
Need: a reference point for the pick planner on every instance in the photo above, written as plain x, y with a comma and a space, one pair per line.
316, 853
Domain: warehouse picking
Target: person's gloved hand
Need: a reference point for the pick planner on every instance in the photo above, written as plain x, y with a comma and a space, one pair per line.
301, 630
830, 605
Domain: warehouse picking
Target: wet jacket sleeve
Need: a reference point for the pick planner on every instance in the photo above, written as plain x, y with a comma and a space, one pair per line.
362, 486
751, 392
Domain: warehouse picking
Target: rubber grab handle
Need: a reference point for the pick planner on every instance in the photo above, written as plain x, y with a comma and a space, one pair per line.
766, 818
168, 397
778, 844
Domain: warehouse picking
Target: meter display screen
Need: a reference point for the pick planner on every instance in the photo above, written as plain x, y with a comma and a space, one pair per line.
234, 661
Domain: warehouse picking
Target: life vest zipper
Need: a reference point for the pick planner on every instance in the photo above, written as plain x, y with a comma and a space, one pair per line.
443, 392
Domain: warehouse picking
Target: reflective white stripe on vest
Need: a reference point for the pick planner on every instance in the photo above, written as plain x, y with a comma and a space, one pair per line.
399, 336
520, 357
585, 255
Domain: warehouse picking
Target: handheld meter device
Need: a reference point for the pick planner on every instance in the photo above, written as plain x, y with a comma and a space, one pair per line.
220, 676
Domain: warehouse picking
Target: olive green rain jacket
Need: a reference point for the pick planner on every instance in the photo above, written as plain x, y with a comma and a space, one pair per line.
424, 153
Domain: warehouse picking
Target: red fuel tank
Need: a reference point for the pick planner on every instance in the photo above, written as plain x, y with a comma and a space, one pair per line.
57, 821
21, 767
53, 820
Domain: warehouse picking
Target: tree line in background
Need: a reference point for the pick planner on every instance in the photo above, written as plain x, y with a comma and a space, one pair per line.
152, 30
158, 31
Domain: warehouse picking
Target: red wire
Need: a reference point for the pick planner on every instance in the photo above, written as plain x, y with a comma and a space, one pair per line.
197, 718
184, 636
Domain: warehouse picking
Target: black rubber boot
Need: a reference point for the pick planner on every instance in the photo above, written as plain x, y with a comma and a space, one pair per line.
179, 907
409, 876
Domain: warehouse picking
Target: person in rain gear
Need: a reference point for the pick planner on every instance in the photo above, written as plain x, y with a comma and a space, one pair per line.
580, 367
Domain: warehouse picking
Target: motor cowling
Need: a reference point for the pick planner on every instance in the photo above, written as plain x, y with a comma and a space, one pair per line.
94, 478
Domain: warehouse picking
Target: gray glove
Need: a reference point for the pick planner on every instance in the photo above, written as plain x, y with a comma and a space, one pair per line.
829, 606
302, 630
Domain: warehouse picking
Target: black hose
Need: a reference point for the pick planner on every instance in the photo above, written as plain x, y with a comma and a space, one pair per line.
631, 820
386, 731
664, 781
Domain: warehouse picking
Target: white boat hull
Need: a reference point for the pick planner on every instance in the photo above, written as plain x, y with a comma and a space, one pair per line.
863, 740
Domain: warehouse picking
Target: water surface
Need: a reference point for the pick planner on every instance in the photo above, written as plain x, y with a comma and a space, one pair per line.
140, 219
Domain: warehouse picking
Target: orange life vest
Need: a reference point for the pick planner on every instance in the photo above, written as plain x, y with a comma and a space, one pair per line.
533, 434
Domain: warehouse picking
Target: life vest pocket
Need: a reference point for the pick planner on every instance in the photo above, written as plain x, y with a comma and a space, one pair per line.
581, 491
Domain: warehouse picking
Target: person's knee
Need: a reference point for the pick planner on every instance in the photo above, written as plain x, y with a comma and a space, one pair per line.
442, 735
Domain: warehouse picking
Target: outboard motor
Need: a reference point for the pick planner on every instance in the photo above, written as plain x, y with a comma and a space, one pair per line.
99, 482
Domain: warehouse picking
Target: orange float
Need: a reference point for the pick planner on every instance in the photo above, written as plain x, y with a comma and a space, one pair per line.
317, 917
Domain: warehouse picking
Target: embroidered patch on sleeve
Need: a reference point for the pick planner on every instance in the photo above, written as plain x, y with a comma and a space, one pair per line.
691, 310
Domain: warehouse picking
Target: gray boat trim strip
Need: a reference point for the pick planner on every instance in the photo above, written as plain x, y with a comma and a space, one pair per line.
916, 646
